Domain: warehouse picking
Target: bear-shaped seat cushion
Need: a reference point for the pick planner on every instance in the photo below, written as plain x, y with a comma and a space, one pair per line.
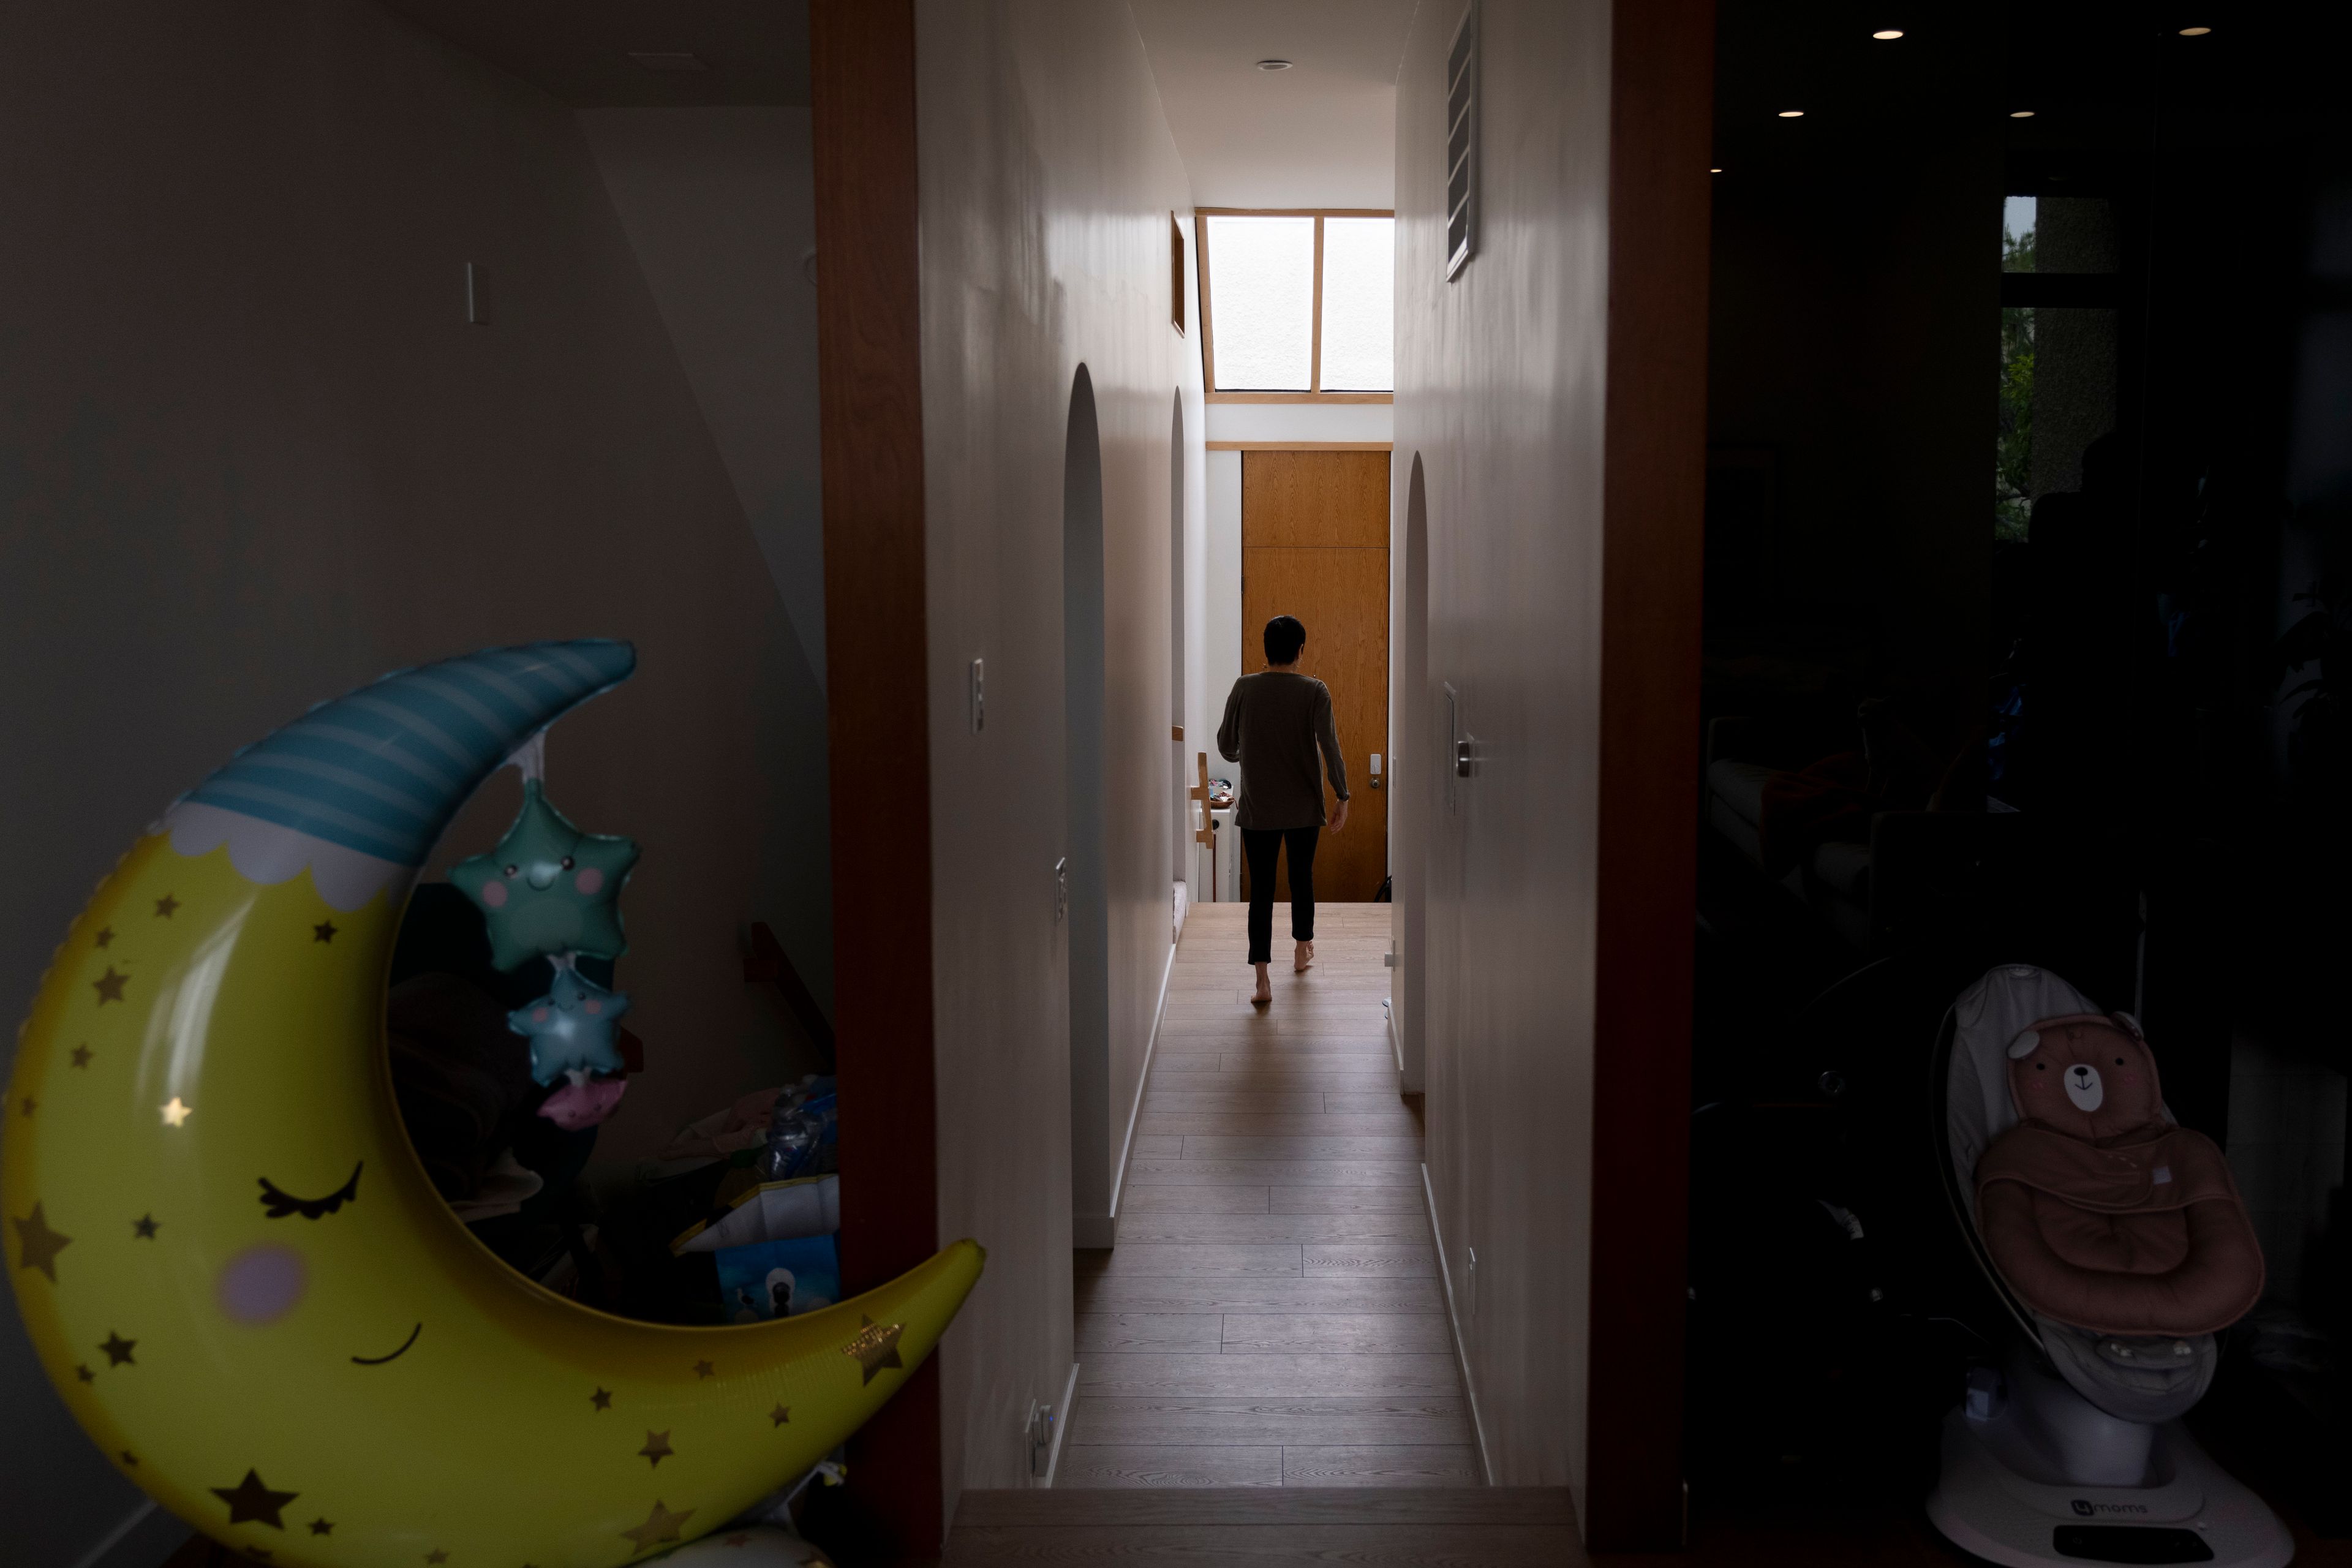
2097, 1210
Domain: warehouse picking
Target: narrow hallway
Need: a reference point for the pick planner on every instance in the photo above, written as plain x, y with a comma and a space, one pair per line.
1272, 1314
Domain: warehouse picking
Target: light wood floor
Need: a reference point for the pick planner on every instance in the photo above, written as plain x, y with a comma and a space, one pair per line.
1272, 1314
1294, 1527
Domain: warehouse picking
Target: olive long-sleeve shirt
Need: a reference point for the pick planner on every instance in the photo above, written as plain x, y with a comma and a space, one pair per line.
1275, 722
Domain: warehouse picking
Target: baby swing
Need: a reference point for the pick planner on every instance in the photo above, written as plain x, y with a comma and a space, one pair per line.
2117, 1242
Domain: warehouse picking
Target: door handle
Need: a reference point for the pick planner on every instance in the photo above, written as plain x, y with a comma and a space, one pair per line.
1465, 764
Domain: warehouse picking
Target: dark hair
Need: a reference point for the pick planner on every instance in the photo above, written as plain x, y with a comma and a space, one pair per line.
1283, 637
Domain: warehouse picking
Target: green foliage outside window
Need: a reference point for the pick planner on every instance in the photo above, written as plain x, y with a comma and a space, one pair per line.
2014, 448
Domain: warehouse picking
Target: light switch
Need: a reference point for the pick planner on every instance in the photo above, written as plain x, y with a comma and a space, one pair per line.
1376, 764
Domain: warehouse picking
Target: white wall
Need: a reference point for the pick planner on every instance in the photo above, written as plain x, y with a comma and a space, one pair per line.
1046, 181
719, 205
1500, 389
1221, 615
1203, 698
251, 455
1301, 421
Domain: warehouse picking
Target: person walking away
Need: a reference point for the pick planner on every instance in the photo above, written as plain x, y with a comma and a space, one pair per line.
1279, 726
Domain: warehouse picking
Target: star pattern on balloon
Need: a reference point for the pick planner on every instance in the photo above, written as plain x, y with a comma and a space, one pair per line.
278, 1374
436, 1556
166, 906
81, 1056
548, 887
105, 936
251, 1501
659, 1526
323, 931
109, 985
571, 1028
602, 1399
39, 1244
876, 1347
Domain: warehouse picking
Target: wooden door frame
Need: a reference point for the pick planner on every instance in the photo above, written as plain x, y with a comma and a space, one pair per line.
870, 386
1385, 707
1662, 115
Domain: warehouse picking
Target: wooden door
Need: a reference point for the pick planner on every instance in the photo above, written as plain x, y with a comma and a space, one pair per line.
1315, 544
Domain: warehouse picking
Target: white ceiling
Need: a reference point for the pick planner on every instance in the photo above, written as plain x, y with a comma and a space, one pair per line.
1322, 133
578, 51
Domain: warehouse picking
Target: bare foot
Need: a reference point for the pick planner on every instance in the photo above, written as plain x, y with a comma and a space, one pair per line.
1264, 992
1304, 959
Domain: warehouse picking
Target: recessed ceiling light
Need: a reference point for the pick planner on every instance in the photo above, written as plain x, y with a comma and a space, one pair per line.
2021, 114
1887, 33
1793, 114
2194, 32
1274, 65
656, 61
1715, 171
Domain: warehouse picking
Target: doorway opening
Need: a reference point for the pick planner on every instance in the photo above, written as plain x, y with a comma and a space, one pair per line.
1086, 880
1180, 846
1315, 544
1410, 809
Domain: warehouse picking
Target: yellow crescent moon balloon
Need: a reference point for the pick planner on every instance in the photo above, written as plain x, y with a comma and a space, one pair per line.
231, 1262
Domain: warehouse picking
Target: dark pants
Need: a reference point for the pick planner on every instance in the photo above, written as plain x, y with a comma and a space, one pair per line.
1262, 844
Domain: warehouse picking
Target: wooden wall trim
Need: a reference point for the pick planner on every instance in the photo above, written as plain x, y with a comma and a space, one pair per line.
1298, 397
870, 370
1661, 126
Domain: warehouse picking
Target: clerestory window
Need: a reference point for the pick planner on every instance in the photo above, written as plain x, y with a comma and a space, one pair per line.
1298, 305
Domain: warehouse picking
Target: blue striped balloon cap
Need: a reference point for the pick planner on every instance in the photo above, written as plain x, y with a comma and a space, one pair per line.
359, 789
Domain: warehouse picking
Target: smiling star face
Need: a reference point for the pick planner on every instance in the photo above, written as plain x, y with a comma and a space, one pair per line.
548, 887
571, 1028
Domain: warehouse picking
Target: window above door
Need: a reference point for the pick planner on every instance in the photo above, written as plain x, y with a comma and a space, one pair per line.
1297, 305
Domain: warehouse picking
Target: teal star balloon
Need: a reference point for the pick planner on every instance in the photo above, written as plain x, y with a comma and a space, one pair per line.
548, 887
571, 1028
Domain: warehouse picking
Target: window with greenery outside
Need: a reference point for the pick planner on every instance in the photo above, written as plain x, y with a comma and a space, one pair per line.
2013, 448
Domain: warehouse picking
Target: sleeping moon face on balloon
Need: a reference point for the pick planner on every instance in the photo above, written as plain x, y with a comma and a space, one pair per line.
232, 1263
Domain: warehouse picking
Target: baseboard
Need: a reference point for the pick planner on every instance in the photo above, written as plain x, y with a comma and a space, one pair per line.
1454, 1321
1062, 1426
146, 1536
1142, 1082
